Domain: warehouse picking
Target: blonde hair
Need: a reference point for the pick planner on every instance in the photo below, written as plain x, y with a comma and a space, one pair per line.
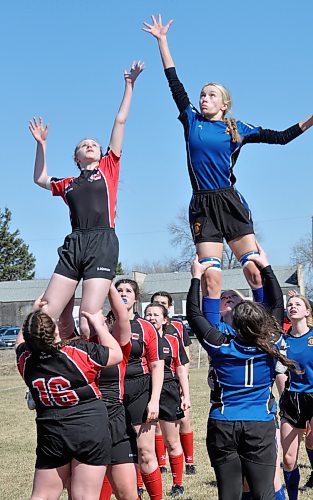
231, 123
309, 319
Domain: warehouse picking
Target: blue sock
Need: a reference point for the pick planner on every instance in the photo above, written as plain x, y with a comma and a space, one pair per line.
257, 294
280, 494
292, 480
310, 455
247, 496
211, 310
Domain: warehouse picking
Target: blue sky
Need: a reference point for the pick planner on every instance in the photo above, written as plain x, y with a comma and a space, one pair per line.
64, 60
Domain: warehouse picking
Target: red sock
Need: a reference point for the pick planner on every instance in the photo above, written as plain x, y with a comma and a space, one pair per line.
153, 484
106, 490
177, 467
160, 450
186, 440
139, 477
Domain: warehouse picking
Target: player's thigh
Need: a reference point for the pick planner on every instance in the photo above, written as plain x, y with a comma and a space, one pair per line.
49, 483
86, 480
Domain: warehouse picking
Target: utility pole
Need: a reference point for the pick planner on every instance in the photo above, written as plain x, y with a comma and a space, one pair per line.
312, 240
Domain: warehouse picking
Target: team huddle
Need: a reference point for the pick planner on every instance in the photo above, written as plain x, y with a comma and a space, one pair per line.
111, 401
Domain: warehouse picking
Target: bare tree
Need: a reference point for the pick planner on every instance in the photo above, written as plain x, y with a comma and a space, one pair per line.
302, 253
181, 238
157, 266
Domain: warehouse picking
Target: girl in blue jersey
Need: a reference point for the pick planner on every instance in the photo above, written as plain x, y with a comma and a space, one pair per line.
90, 252
221, 316
213, 143
241, 426
296, 403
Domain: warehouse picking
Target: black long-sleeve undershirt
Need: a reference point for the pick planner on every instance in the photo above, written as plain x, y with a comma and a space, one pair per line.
267, 136
203, 328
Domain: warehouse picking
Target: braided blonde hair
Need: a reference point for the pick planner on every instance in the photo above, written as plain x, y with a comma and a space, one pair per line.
231, 123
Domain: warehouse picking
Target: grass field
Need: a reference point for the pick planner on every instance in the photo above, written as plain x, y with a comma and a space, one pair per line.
17, 436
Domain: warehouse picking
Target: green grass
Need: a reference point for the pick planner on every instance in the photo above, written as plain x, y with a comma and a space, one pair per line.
18, 436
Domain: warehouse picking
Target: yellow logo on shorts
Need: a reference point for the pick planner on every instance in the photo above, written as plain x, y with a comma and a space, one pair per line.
310, 341
197, 228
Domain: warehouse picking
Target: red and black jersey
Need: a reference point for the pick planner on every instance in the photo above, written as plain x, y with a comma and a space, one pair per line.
111, 382
146, 347
177, 327
64, 378
91, 197
174, 355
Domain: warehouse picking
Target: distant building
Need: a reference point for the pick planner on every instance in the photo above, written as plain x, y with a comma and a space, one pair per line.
17, 297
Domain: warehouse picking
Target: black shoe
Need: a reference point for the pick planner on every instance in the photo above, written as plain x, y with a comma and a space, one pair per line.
140, 492
309, 484
177, 491
163, 469
190, 470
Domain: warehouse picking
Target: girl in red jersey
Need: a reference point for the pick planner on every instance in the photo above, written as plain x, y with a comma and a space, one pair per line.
143, 384
172, 403
90, 252
63, 382
121, 472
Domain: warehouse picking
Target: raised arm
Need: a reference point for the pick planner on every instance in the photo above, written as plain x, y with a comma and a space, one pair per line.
160, 33
105, 338
203, 330
40, 133
272, 291
117, 134
121, 328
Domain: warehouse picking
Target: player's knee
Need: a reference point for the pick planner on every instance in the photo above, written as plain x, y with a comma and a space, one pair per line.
84, 330
290, 461
145, 454
251, 271
212, 275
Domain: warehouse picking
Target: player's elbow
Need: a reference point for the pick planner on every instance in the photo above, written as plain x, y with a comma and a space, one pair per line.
115, 356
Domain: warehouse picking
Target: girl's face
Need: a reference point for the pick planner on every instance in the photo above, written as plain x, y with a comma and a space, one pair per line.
162, 300
127, 294
155, 316
296, 309
229, 299
211, 103
87, 151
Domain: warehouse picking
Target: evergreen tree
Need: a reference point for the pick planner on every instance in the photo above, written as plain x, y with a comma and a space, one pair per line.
119, 268
16, 262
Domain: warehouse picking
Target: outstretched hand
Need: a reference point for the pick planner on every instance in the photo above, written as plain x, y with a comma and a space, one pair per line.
260, 259
136, 68
38, 130
157, 29
198, 269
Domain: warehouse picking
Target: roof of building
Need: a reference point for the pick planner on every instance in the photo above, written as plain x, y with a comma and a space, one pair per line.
177, 282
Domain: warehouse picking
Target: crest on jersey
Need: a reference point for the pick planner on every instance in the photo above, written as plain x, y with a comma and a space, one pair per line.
310, 341
95, 177
197, 228
166, 350
135, 336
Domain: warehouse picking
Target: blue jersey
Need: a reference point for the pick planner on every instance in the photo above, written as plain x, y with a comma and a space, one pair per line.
300, 349
211, 154
242, 375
